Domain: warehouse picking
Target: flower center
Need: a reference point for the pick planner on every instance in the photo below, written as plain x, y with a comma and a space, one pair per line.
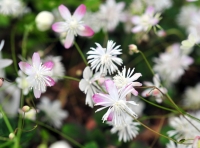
105, 59
120, 81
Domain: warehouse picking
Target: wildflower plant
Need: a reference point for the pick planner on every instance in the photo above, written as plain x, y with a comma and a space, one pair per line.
127, 82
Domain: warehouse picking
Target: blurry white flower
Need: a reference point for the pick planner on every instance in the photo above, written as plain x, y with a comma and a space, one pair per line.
60, 144
110, 14
116, 103
139, 109
182, 129
123, 79
44, 20
88, 85
104, 59
171, 65
154, 92
191, 0
31, 114
146, 21
191, 97
53, 111
171, 144
9, 7
22, 82
188, 44
159, 5
126, 131
58, 70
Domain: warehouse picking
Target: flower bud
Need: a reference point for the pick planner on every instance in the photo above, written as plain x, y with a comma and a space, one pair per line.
44, 20
101, 80
1, 81
25, 108
133, 49
11, 136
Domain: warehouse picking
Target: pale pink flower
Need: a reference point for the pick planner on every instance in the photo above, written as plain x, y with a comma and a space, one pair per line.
116, 103
196, 143
38, 74
72, 25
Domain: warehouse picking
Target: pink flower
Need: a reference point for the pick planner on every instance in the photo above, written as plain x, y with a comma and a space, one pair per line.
196, 143
72, 25
116, 103
38, 74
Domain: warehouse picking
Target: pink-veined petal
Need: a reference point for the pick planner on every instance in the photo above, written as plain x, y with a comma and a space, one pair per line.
110, 116
51, 82
79, 12
134, 92
36, 59
112, 89
69, 41
150, 10
59, 27
136, 29
196, 142
101, 100
87, 31
26, 68
64, 12
37, 93
49, 65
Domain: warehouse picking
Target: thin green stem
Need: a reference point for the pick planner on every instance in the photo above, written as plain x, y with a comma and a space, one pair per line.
6, 144
174, 31
6, 120
71, 78
58, 132
24, 42
12, 41
149, 66
81, 53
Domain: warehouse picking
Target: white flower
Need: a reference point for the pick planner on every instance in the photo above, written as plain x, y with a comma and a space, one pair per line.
31, 114
171, 144
22, 82
159, 5
110, 14
171, 65
123, 79
105, 58
88, 85
60, 144
145, 22
126, 131
155, 92
44, 20
116, 103
53, 111
38, 74
58, 70
191, 97
182, 128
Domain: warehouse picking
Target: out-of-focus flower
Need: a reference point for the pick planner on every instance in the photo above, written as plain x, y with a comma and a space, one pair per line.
133, 49
196, 143
154, 92
159, 5
171, 65
123, 79
53, 111
171, 144
191, 0
60, 144
191, 98
182, 129
88, 85
110, 14
4, 62
44, 20
58, 70
38, 74
188, 44
116, 103
105, 58
9, 7
72, 25
139, 109
145, 22
30, 114
127, 131
22, 82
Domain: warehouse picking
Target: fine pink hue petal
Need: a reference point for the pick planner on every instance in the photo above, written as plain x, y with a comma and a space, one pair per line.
69, 41
150, 10
26, 68
135, 19
64, 12
49, 65
196, 141
36, 59
87, 31
51, 82
59, 27
99, 98
110, 116
136, 29
111, 88
134, 92
37, 93
79, 12
136, 76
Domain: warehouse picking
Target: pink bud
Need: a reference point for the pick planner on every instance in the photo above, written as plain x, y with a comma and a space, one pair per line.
1, 81
196, 143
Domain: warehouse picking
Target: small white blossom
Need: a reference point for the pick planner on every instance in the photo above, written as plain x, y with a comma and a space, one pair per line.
104, 59
53, 111
60, 144
159, 5
23, 83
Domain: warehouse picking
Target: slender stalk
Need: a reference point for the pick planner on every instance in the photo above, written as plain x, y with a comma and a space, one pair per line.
71, 78
12, 41
81, 53
61, 134
24, 42
6, 144
6, 120
149, 66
